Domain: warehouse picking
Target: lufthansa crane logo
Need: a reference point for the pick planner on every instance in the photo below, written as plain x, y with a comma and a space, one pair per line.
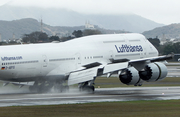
129, 48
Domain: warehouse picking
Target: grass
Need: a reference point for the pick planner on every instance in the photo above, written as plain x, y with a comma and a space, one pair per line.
103, 82
103, 109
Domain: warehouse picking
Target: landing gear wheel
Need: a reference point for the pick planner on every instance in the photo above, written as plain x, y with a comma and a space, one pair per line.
61, 88
64, 89
89, 89
41, 87
32, 89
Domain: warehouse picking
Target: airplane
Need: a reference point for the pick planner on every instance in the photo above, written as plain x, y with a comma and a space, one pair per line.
80, 61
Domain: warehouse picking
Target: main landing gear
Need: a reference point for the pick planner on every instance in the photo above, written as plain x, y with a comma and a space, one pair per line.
41, 86
47, 86
60, 87
87, 87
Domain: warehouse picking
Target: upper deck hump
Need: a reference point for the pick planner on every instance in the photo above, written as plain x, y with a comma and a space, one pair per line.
106, 37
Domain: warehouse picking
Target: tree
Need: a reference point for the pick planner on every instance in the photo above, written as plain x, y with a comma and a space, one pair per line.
168, 48
91, 32
155, 41
12, 42
65, 38
35, 37
78, 33
43, 37
25, 38
54, 38
176, 47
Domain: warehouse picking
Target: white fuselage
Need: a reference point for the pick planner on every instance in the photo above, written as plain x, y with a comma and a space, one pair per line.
56, 60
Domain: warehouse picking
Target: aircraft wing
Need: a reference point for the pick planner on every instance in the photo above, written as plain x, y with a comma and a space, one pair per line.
139, 64
95, 69
154, 59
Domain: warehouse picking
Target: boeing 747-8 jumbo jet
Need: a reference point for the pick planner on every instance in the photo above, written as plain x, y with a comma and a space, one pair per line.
80, 61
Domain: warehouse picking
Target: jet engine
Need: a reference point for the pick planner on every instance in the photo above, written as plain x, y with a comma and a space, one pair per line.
153, 72
130, 76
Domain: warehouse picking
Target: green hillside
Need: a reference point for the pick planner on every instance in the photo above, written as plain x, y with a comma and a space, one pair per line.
28, 25
168, 32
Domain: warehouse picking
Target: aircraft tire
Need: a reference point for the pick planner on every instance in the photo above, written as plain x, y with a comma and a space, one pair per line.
89, 89
60, 88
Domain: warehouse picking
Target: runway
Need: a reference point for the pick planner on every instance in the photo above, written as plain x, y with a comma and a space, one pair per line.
100, 95
11, 96
174, 71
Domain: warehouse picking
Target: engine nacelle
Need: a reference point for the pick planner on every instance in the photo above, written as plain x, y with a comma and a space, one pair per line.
153, 72
130, 76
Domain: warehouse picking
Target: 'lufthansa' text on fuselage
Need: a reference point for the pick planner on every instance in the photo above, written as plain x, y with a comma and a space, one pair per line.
129, 48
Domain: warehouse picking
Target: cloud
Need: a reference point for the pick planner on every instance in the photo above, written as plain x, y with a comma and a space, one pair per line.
2, 2
162, 11
85, 6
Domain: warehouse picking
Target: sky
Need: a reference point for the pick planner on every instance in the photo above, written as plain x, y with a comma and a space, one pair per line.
160, 11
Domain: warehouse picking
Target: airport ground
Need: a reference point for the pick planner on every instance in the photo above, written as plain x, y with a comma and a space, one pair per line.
168, 108
155, 99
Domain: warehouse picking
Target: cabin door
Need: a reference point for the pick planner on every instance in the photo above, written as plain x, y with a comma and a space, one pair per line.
45, 62
111, 56
78, 60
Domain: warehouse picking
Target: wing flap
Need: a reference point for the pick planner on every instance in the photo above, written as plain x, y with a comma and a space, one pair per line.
82, 76
115, 67
91, 65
